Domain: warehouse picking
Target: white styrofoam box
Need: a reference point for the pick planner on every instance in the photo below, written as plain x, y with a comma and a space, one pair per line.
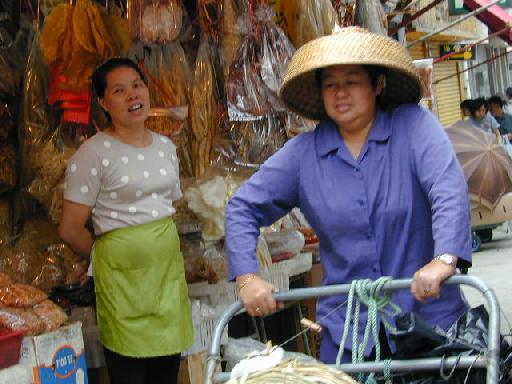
56, 357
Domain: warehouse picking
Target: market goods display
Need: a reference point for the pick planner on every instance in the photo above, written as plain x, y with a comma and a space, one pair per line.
207, 198
168, 74
203, 105
235, 27
79, 38
370, 15
6, 121
51, 314
256, 140
425, 68
312, 19
160, 21
21, 295
21, 319
5, 280
204, 263
257, 69
8, 170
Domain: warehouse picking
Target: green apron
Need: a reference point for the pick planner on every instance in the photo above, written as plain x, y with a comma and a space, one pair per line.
142, 301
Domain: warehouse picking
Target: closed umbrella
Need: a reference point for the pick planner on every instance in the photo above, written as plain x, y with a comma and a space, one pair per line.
486, 164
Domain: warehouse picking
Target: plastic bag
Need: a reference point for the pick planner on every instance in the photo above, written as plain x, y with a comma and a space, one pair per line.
51, 314
169, 76
287, 241
467, 336
74, 294
21, 319
6, 121
160, 21
204, 105
313, 19
204, 263
255, 141
21, 295
207, 198
425, 68
257, 69
370, 15
8, 173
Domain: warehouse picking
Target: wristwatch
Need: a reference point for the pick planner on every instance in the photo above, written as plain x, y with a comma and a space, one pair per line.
447, 259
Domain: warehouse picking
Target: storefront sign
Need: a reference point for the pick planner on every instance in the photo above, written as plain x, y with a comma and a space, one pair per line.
456, 7
467, 54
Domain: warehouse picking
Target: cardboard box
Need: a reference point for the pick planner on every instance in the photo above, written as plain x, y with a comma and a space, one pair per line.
56, 357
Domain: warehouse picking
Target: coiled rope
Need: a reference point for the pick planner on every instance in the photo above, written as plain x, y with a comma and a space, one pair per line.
371, 294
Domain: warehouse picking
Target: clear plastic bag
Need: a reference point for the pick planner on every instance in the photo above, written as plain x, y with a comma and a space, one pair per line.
160, 21
6, 121
8, 172
313, 19
286, 241
370, 15
51, 314
21, 295
21, 319
208, 196
425, 68
257, 69
204, 262
204, 105
255, 141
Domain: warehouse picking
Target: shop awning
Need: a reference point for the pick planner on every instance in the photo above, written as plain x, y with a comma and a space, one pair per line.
494, 17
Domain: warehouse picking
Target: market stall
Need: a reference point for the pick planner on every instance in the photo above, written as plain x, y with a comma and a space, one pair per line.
214, 68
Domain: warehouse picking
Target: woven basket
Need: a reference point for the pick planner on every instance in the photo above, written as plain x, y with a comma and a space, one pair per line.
291, 371
353, 45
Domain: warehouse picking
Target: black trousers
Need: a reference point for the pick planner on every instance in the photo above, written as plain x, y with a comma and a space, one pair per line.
133, 370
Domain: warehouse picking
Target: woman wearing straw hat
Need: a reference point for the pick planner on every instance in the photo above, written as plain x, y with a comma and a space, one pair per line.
377, 180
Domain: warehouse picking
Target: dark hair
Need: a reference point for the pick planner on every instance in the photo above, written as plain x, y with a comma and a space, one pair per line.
475, 104
495, 100
508, 92
99, 76
465, 104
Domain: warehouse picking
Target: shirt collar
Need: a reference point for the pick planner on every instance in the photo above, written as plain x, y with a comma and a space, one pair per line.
329, 139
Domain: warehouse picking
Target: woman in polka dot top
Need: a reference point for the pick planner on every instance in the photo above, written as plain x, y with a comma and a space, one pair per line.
126, 179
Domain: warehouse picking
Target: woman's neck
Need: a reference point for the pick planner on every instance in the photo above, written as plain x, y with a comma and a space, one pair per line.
355, 138
135, 136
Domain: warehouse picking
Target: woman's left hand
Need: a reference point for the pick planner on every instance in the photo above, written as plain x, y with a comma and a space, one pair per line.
427, 280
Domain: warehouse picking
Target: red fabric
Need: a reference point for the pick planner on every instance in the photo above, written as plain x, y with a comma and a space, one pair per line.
495, 17
76, 106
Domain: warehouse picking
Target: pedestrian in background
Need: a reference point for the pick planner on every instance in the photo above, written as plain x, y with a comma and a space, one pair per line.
496, 108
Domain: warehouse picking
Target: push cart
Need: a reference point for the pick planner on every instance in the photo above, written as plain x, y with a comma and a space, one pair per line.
489, 360
484, 220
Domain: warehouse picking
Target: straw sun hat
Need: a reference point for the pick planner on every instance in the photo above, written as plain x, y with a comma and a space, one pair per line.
353, 45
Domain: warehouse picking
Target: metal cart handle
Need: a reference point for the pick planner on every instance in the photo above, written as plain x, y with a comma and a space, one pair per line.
490, 360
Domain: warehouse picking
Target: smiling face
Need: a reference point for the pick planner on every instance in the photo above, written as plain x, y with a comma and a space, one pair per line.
349, 96
126, 98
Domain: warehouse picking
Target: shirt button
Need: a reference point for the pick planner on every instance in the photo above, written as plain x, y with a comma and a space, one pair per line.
357, 170
361, 203
369, 235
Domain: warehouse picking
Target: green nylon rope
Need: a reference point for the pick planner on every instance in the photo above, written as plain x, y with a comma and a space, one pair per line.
370, 293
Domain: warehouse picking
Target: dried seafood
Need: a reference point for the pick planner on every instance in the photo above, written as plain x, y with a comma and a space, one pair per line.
203, 103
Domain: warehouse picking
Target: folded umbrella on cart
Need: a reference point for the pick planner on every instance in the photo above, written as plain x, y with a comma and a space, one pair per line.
485, 162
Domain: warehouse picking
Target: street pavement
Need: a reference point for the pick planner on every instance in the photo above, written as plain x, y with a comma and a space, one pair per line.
493, 264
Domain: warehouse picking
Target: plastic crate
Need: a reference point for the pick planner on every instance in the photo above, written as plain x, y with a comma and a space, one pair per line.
10, 346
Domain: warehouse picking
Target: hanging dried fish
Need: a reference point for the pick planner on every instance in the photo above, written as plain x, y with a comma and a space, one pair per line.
203, 111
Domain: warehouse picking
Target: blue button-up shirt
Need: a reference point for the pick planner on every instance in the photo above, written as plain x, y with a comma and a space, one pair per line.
387, 213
